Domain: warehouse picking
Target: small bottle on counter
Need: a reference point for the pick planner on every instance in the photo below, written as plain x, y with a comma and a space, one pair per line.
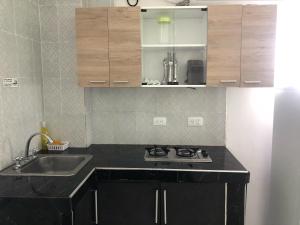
44, 141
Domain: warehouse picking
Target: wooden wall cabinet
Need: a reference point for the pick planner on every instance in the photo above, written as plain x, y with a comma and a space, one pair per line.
92, 47
108, 47
241, 45
224, 45
258, 45
124, 46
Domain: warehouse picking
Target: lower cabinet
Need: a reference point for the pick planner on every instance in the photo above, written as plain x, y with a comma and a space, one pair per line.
85, 204
193, 203
83, 211
127, 203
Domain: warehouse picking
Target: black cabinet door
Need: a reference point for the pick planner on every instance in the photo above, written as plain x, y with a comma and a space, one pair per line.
83, 211
193, 204
127, 203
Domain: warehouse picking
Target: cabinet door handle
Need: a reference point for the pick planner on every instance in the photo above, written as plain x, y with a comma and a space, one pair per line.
165, 206
225, 207
228, 81
96, 206
252, 81
156, 207
245, 201
72, 217
121, 81
98, 81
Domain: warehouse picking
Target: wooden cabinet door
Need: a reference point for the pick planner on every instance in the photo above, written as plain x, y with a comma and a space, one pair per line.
193, 203
224, 45
122, 203
258, 45
92, 47
124, 46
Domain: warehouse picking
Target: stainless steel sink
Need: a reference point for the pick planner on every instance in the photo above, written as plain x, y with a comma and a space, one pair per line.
51, 165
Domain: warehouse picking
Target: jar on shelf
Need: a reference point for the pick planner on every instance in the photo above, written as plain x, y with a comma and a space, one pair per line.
164, 22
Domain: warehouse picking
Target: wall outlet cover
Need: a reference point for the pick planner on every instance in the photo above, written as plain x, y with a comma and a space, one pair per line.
159, 121
195, 121
10, 82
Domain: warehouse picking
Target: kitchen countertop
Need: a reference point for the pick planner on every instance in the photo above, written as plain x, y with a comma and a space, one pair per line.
119, 157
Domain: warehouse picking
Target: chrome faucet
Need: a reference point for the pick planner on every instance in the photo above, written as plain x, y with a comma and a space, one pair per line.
50, 141
22, 161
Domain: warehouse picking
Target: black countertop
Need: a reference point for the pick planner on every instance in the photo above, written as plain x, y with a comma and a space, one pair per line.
225, 167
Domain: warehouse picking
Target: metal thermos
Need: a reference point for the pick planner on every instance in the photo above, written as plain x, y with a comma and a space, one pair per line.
170, 69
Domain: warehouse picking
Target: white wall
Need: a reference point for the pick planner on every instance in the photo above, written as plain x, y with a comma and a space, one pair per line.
249, 126
285, 185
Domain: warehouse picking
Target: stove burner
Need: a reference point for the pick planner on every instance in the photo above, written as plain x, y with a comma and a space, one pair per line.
157, 151
180, 154
186, 152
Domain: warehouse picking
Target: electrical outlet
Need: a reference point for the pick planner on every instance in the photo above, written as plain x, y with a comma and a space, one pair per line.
10, 82
195, 121
159, 121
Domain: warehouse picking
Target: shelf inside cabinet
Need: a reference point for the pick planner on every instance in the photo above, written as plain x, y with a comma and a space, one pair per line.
179, 12
145, 46
176, 86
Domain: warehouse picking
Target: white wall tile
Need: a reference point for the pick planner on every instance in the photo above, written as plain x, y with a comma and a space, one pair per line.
49, 23
124, 125
47, 2
37, 60
50, 59
25, 57
72, 97
52, 96
95, 3
66, 22
102, 128
8, 57
27, 22
68, 2
7, 21
67, 59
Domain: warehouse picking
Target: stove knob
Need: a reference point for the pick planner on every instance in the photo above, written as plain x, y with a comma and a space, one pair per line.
204, 154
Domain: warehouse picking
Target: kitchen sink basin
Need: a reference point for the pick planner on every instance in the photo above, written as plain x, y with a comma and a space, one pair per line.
51, 165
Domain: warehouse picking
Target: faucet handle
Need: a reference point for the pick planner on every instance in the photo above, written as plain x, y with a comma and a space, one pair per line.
19, 159
35, 151
18, 162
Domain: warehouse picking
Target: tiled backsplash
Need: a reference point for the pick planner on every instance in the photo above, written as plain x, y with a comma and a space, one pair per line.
20, 56
125, 116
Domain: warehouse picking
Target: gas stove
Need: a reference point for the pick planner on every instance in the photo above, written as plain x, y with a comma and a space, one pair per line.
176, 154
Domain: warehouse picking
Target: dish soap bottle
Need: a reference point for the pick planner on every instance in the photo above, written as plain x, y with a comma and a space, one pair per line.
44, 141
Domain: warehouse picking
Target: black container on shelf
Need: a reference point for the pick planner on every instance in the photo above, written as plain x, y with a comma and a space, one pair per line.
195, 72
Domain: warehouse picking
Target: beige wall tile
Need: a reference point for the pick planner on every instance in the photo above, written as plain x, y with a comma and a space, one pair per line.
7, 22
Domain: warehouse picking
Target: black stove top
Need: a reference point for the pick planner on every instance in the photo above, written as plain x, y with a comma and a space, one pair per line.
176, 154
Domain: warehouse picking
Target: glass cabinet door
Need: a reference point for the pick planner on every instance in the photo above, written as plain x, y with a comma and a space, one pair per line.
174, 41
